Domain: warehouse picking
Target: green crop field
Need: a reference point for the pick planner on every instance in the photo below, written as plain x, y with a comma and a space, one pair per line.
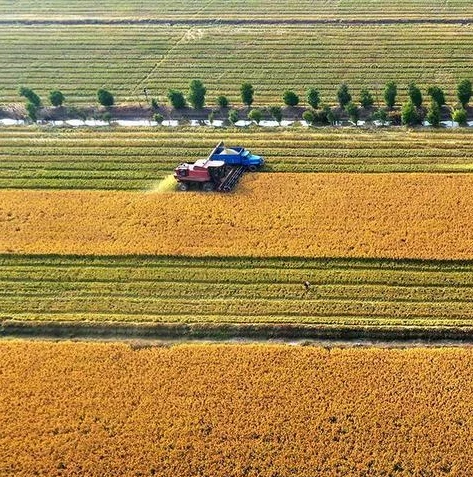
241, 9
236, 290
79, 59
138, 158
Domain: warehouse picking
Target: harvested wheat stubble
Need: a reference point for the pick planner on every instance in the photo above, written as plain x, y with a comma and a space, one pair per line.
428, 216
235, 9
137, 159
260, 411
126, 58
217, 291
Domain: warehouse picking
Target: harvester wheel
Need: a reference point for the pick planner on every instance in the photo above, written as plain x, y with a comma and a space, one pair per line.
182, 186
252, 168
207, 187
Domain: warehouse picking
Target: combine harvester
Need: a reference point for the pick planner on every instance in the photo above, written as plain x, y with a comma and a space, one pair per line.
220, 171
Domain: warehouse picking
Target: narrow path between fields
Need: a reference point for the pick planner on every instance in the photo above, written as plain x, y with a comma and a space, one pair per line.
295, 334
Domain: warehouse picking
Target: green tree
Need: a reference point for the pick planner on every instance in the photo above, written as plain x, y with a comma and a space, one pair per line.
366, 98
276, 113
154, 104
352, 111
409, 114
390, 93
464, 92
308, 116
433, 114
324, 114
330, 114
380, 115
436, 94
222, 102
197, 92
158, 118
290, 98
247, 93
176, 98
105, 98
415, 95
32, 111
56, 98
459, 116
233, 116
31, 96
313, 98
343, 95
255, 115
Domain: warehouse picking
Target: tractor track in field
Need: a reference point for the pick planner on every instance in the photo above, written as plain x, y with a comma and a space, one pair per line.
235, 22
151, 334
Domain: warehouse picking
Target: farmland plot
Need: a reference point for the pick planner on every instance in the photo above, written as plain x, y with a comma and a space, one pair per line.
237, 9
87, 409
111, 258
79, 59
343, 292
137, 159
415, 215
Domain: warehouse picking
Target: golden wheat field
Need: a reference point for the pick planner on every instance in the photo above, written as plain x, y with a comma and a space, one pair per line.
426, 216
75, 409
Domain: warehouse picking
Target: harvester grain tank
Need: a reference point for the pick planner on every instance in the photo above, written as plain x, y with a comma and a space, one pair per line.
237, 156
220, 171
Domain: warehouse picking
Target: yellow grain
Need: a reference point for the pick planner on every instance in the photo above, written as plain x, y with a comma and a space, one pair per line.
106, 410
426, 216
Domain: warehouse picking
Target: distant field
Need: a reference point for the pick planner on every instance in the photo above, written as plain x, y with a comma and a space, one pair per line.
343, 292
237, 9
416, 215
137, 159
107, 409
79, 59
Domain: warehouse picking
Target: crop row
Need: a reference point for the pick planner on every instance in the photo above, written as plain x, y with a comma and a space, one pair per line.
87, 409
239, 290
138, 159
124, 59
237, 9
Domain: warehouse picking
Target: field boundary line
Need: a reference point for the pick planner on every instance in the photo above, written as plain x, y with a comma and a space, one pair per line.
242, 21
218, 332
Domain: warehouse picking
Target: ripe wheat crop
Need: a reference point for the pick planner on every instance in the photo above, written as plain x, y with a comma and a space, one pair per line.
425, 216
107, 409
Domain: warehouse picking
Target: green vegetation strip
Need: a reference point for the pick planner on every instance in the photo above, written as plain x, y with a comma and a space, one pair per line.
79, 59
343, 292
240, 9
137, 159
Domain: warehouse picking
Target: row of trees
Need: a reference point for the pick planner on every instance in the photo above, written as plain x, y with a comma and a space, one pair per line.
56, 98
197, 92
411, 112
33, 101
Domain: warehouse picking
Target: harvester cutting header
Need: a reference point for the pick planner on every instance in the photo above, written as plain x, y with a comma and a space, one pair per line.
220, 171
